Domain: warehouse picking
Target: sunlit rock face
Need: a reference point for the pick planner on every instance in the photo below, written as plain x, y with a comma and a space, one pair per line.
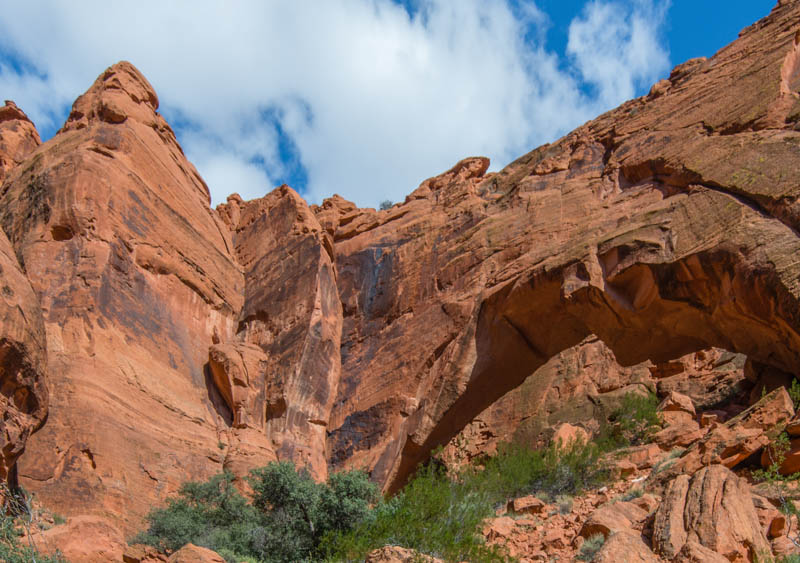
654, 247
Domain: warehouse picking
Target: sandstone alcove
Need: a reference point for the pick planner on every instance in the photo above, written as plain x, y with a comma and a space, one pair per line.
641, 309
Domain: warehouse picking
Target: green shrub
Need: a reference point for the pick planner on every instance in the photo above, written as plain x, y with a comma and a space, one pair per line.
292, 518
386, 204
442, 516
286, 520
15, 518
211, 514
432, 514
590, 547
794, 393
632, 494
632, 424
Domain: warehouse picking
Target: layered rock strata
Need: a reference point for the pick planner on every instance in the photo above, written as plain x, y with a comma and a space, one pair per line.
183, 340
135, 278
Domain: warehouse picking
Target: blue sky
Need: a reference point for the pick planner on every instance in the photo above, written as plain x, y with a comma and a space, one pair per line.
365, 98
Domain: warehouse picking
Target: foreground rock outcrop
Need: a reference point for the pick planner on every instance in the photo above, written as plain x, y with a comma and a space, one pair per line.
713, 508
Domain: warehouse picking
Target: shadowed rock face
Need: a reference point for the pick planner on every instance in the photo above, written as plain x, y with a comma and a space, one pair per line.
23, 361
23, 356
292, 312
182, 340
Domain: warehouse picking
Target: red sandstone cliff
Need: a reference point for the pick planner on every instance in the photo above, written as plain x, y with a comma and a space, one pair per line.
181, 340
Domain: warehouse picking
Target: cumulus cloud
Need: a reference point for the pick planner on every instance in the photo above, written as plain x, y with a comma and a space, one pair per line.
356, 97
616, 49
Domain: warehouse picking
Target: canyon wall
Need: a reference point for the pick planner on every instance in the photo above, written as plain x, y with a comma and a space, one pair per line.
654, 246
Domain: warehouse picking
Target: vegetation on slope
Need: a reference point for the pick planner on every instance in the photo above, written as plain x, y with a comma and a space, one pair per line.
292, 518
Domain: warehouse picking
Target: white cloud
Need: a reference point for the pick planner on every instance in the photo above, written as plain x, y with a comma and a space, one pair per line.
374, 101
615, 49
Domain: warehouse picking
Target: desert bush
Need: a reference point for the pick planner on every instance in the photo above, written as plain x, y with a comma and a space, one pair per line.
292, 518
15, 519
211, 514
794, 393
286, 520
432, 514
590, 547
442, 516
633, 423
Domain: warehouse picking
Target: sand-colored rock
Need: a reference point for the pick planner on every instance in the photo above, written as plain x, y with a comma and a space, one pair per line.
731, 443
18, 137
614, 517
714, 509
567, 434
693, 552
681, 429
140, 553
239, 372
89, 539
709, 378
677, 402
526, 505
136, 280
625, 545
191, 553
293, 313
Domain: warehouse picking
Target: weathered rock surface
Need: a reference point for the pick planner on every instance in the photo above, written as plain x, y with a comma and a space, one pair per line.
89, 539
714, 509
18, 137
183, 340
135, 278
23, 362
293, 313
612, 518
625, 546
662, 227
736, 440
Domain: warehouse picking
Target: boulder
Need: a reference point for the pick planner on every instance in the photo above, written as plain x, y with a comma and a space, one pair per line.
713, 508
614, 517
567, 434
499, 528
736, 440
625, 545
693, 552
191, 553
89, 539
526, 505
675, 401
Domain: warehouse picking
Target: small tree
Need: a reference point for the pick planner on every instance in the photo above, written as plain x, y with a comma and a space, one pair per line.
386, 204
